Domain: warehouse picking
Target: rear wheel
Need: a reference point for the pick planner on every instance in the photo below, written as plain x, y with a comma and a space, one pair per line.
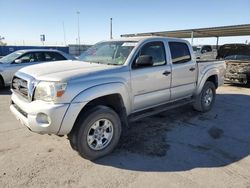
205, 100
97, 133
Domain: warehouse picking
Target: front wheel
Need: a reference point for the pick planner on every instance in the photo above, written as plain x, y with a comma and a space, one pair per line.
205, 100
98, 133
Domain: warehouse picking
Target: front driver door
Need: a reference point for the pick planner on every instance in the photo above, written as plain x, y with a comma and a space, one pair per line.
151, 85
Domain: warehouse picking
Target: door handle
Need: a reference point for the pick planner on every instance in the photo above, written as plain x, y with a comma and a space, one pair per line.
166, 73
192, 69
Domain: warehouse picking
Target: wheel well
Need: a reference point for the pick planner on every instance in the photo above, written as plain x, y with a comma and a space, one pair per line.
113, 101
214, 79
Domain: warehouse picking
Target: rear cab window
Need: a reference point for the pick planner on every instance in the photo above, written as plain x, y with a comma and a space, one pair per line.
179, 52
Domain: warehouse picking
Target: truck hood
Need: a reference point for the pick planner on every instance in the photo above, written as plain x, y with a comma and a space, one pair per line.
63, 70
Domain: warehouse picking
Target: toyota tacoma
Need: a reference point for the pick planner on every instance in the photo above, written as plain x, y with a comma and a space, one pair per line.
114, 82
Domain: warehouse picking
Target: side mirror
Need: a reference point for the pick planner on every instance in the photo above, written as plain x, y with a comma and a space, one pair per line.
17, 61
144, 61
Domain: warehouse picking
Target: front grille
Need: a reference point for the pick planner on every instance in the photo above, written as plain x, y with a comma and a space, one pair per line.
20, 86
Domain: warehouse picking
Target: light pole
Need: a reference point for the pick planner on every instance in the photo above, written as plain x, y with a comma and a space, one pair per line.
1, 44
78, 20
111, 28
64, 35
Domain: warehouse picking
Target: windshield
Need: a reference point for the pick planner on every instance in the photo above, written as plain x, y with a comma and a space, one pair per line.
11, 57
111, 53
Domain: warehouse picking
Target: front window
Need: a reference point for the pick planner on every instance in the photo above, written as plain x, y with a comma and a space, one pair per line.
11, 57
111, 53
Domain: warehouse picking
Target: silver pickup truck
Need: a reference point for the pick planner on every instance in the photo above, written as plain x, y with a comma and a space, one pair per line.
113, 83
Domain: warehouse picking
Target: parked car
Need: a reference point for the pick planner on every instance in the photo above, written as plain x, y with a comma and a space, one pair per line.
205, 52
114, 82
233, 49
22, 58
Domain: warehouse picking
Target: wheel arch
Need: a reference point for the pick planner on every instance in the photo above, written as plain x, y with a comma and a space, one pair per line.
108, 95
210, 75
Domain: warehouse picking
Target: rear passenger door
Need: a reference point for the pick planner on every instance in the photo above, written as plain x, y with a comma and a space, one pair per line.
151, 85
184, 71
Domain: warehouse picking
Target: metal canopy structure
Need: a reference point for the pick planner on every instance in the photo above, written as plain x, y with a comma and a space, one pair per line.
224, 31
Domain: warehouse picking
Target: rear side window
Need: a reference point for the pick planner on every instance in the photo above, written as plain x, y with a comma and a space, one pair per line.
40, 57
54, 56
179, 52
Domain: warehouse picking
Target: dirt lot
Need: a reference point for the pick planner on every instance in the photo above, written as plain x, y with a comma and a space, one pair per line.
178, 148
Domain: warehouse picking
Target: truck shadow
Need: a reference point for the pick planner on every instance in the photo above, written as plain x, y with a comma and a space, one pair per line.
5, 91
182, 139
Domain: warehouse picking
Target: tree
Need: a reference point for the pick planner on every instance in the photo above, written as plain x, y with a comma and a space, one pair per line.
1, 41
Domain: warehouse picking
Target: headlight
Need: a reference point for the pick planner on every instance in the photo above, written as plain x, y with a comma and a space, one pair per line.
49, 91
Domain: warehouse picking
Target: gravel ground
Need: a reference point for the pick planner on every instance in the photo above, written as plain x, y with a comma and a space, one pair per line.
177, 148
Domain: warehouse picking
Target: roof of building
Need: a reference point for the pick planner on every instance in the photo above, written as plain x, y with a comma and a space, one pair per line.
223, 31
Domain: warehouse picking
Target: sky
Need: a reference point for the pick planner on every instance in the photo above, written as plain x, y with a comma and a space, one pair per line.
23, 21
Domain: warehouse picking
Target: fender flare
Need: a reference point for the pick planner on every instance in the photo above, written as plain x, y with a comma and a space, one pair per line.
89, 94
206, 75
97, 91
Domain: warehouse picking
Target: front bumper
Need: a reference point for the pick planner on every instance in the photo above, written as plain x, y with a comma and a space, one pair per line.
38, 116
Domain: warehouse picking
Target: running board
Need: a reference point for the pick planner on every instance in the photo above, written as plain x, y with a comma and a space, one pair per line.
156, 110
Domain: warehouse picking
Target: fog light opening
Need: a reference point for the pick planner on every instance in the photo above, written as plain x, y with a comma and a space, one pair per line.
42, 118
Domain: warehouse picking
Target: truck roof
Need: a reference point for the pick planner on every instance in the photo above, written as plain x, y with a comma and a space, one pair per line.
38, 50
137, 39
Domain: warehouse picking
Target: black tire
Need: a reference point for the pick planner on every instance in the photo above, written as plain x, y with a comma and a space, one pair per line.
72, 140
78, 138
1, 82
200, 104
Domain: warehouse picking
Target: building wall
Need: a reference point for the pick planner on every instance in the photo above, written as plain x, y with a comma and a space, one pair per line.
71, 49
5, 50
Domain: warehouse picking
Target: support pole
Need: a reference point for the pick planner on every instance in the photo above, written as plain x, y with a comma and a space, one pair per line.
111, 28
192, 38
217, 43
78, 30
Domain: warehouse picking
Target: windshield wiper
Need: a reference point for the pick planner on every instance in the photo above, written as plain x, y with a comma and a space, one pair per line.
103, 63
112, 64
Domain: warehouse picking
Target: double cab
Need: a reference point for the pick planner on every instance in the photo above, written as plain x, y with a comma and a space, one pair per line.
93, 99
